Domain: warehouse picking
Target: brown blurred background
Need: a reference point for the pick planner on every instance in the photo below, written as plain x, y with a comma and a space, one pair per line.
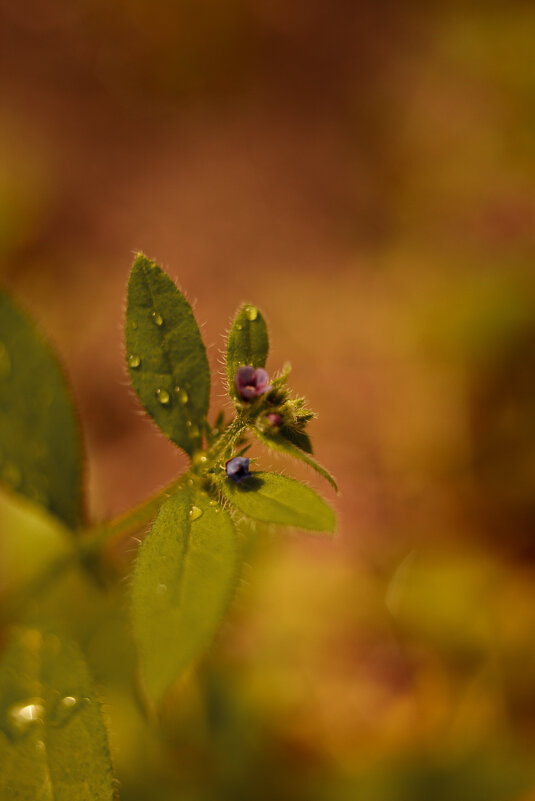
364, 173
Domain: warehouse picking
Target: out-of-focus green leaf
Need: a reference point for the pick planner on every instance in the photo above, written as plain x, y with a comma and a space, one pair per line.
165, 355
272, 498
247, 343
278, 442
40, 451
53, 743
183, 580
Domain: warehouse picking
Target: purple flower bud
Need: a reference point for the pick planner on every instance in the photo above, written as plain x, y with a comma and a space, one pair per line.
251, 382
237, 468
274, 419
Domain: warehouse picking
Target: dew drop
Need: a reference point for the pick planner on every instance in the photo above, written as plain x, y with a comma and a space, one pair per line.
193, 429
251, 313
163, 396
190, 482
69, 701
182, 395
65, 709
157, 317
199, 459
22, 716
5, 361
161, 589
195, 513
239, 326
12, 475
213, 503
134, 361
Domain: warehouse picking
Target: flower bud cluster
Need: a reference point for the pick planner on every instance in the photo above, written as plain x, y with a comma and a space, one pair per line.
276, 412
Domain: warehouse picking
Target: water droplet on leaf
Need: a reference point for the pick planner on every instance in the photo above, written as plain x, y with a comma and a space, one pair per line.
195, 513
251, 313
193, 429
69, 701
182, 395
199, 459
134, 361
65, 709
158, 319
163, 396
161, 589
22, 716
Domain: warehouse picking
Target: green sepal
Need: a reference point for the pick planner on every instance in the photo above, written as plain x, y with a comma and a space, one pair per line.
166, 356
53, 742
278, 442
247, 343
40, 448
184, 578
272, 498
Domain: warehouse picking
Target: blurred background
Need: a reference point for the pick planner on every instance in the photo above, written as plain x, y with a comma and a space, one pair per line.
364, 173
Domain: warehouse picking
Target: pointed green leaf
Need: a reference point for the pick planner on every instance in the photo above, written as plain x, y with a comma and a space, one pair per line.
247, 342
183, 580
278, 442
53, 743
40, 451
165, 355
272, 498
296, 436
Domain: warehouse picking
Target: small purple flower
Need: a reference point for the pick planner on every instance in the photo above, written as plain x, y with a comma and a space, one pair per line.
251, 382
237, 468
274, 419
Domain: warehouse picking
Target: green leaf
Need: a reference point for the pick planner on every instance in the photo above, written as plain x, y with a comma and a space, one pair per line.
247, 343
40, 450
296, 436
165, 355
53, 743
278, 442
272, 498
183, 580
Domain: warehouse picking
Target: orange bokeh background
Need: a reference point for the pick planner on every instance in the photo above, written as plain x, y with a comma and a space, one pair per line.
363, 173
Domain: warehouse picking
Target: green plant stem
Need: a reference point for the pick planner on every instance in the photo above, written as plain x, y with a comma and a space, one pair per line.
131, 521
134, 519
94, 539
227, 439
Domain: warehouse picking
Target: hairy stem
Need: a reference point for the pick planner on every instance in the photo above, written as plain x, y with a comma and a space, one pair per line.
132, 520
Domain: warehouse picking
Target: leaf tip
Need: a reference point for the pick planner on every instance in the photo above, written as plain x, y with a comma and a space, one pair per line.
142, 263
